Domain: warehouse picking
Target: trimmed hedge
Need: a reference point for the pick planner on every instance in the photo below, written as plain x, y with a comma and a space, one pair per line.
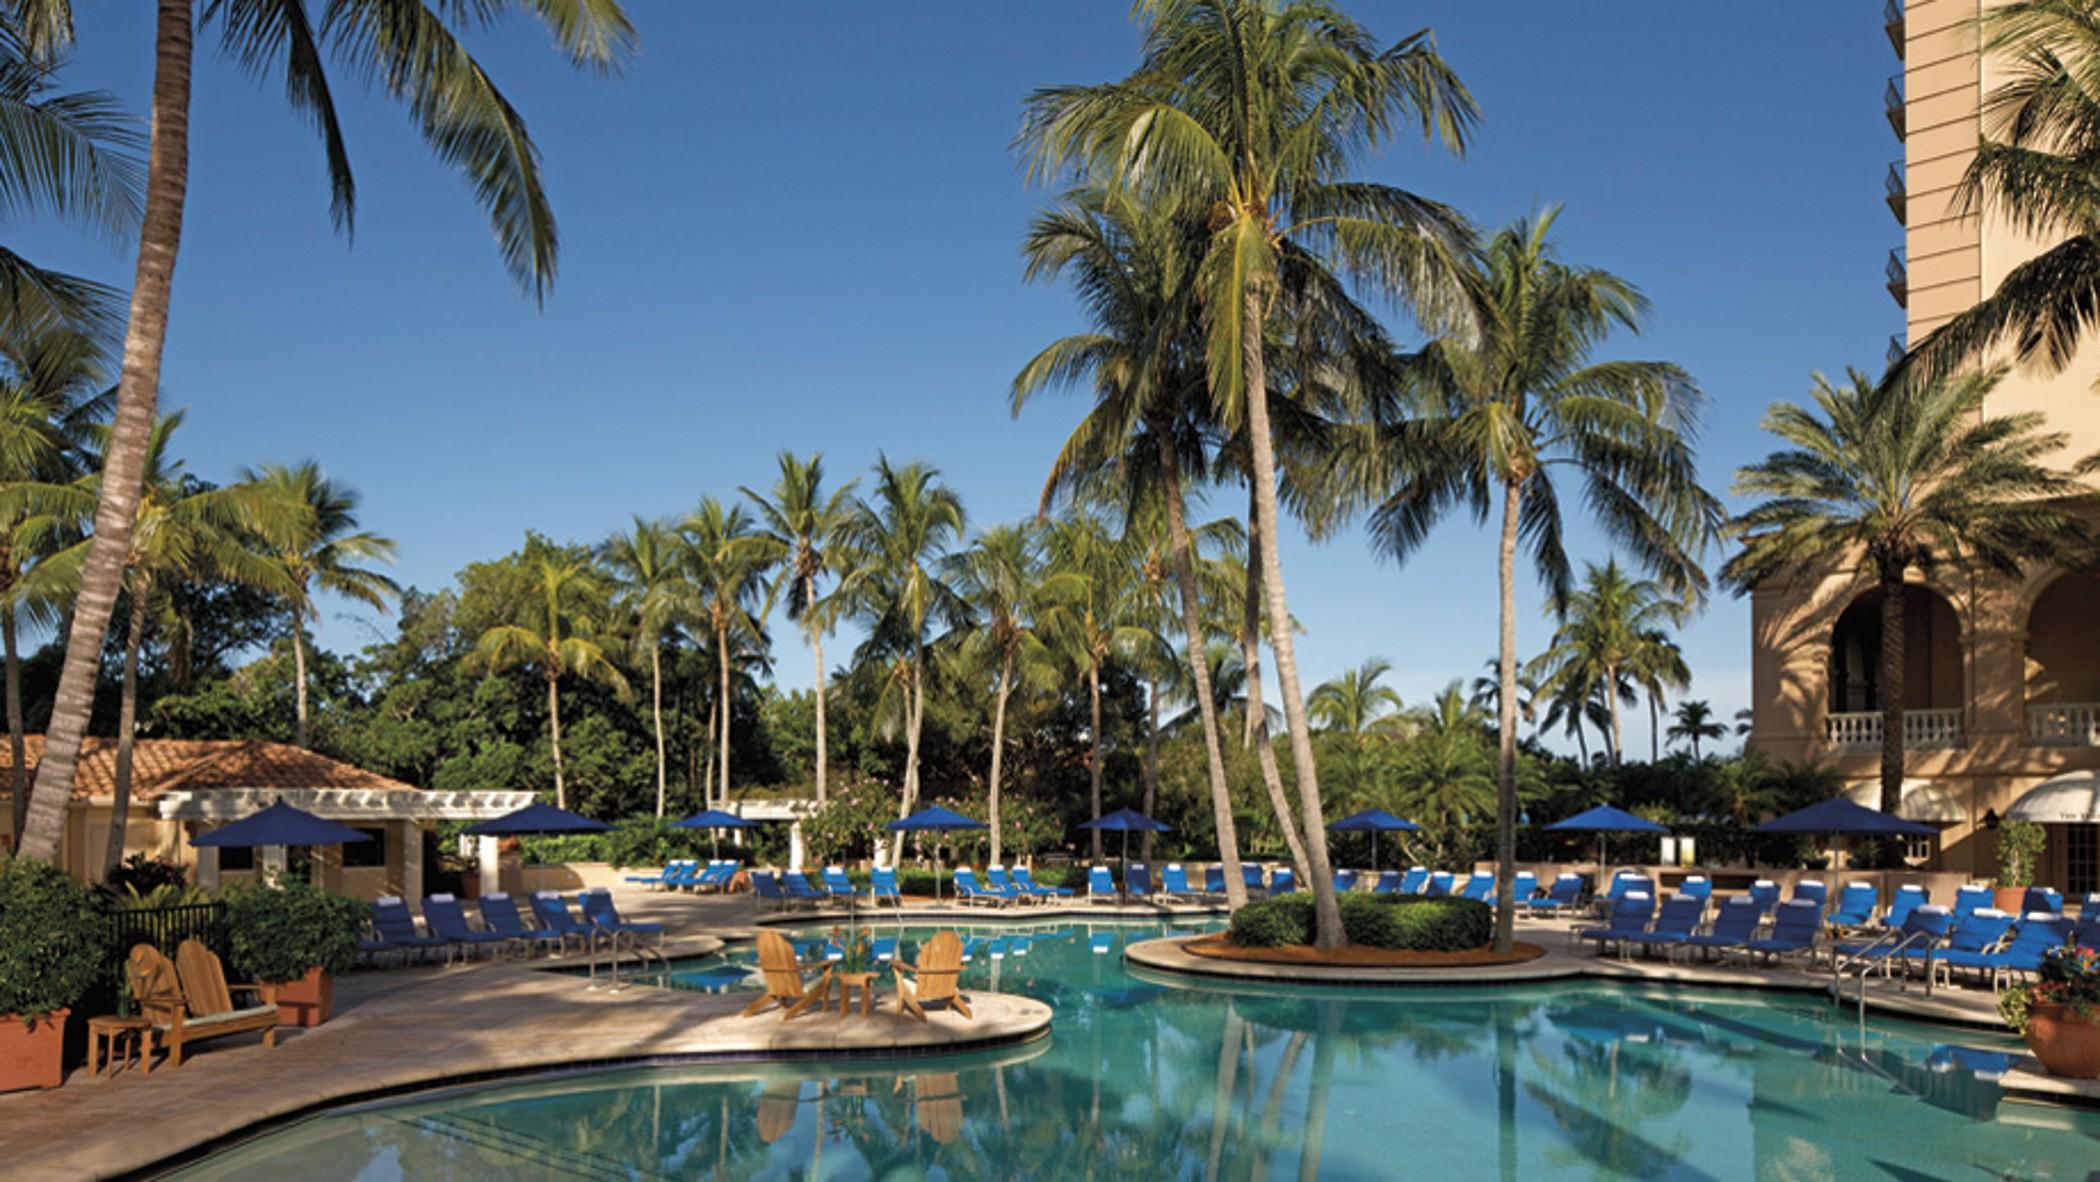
1373, 921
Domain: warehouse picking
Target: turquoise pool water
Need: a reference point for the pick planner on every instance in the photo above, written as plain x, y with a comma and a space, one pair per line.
1152, 1079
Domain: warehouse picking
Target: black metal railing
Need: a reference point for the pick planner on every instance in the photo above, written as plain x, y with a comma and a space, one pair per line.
1898, 277
1892, 24
1895, 192
167, 927
1892, 103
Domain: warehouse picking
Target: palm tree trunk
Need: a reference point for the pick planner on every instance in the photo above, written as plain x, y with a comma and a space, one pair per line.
17, 746
1006, 680
913, 708
656, 710
816, 642
1582, 741
127, 726
1611, 703
1151, 762
1257, 713
1327, 913
160, 238
1654, 729
561, 788
1506, 721
299, 675
1093, 769
1199, 670
722, 702
1227, 1077
1892, 606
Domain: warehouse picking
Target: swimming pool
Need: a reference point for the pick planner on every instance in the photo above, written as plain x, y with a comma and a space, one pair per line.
1146, 1079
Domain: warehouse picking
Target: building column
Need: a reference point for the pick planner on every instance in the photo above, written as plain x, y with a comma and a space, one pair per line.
488, 858
328, 868
795, 846
207, 866
271, 864
412, 866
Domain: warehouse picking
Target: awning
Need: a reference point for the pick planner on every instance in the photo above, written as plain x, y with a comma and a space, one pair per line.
349, 805
2072, 798
1922, 800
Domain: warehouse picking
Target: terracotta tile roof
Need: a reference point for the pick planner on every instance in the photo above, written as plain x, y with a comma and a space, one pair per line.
173, 765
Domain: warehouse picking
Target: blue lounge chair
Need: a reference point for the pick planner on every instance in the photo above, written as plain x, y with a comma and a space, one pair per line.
1344, 881
1214, 881
996, 881
2041, 898
837, 885
687, 875
1855, 908
1697, 886
1174, 881
1629, 918
598, 911
1523, 886
1923, 927
1251, 876
1623, 883
766, 885
1971, 899
1977, 932
796, 883
1735, 924
394, 929
500, 913
1673, 928
882, 887
884, 948
1388, 883
969, 890
666, 877
1564, 894
1101, 886
1439, 885
1909, 898
1137, 880
1812, 890
1024, 878
443, 914
1794, 931
1283, 882
1765, 893
716, 877
2087, 933
1415, 881
2031, 940
554, 914
1480, 887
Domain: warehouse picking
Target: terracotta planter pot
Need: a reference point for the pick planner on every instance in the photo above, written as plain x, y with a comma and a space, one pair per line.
2008, 899
2067, 1044
32, 1056
470, 885
308, 1001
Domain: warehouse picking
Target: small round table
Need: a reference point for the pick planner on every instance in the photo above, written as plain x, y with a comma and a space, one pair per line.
847, 983
110, 1035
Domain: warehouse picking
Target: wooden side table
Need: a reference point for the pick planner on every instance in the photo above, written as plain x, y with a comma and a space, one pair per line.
847, 983
110, 1035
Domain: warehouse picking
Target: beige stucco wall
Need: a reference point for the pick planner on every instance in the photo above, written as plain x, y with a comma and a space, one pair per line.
86, 838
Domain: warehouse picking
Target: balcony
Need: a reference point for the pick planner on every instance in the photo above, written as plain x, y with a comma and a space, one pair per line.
1892, 103
2063, 724
1923, 730
1895, 192
1892, 24
1898, 279
1896, 350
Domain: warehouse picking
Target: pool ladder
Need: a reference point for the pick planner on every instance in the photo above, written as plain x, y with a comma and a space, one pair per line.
1897, 943
609, 940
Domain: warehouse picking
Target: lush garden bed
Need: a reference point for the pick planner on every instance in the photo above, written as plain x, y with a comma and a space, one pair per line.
1390, 922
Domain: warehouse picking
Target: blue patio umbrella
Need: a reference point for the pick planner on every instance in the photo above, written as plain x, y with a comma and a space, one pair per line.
934, 820
716, 820
1605, 820
279, 825
536, 820
1374, 821
1842, 818
1125, 822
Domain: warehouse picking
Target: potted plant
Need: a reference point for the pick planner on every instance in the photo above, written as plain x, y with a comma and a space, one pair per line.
2059, 1014
296, 937
52, 951
2019, 853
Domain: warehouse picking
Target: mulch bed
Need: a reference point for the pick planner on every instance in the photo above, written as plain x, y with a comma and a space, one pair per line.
1359, 956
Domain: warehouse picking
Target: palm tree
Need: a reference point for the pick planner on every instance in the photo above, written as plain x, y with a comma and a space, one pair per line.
1099, 620
1142, 442
727, 560
893, 550
460, 113
2035, 165
319, 549
1899, 478
655, 593
1694, 720
1508, 408
1356, 708
553, 629
1487, 692
1607, 629
804, 522
1446, 770
1657, 668
1254, 111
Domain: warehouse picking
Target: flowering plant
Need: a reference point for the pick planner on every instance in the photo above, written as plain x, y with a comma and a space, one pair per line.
2069, 977
859, 950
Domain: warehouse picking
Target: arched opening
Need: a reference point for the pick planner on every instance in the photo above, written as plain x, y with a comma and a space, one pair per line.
2063, 663
1931, 654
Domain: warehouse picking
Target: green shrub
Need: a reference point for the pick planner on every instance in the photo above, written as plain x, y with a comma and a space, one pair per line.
1373, 921
53, 942
277, 933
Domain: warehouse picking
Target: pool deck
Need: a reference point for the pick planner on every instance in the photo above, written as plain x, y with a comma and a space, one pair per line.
400, 1030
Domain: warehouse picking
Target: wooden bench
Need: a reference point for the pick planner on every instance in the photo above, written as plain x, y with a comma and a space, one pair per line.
190, 1000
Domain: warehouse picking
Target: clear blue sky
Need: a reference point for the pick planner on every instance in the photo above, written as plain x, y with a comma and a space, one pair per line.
795, 225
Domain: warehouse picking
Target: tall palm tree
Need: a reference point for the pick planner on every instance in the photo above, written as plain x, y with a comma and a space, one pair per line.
1899, 478
1658, 668
1487, 692
553, 628
408, 47
1099, 621
2038, 164
1692, 721
805, 522
318, 549
1255, 111
1506, 409
654, 592
727, 560
1356, 709
1133, 268
1446, 771
894, 545
1607, 629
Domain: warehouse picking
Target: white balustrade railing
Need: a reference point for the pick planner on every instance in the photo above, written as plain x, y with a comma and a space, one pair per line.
2063, 724
1923, 730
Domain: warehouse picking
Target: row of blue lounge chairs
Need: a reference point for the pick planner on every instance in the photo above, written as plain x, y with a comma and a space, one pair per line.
689, 875
503, 928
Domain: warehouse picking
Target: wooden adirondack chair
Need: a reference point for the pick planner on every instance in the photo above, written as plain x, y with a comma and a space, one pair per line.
786, 984
200, 1003
934, 979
